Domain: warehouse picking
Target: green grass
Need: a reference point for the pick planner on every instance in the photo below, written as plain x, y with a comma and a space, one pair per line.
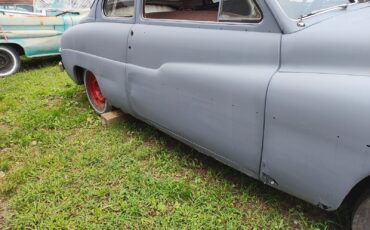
64, 170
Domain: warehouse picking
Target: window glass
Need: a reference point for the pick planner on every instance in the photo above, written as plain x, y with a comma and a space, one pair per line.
239, 10
119, 8
203, 10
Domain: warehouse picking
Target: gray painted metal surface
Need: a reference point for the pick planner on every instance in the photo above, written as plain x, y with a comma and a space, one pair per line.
280, 102
221, 116
317, 123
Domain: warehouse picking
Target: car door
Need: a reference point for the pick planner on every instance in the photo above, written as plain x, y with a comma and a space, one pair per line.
204, 78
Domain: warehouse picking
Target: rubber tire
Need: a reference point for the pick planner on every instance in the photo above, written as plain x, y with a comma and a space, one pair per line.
361, 214
16, 60
107, 108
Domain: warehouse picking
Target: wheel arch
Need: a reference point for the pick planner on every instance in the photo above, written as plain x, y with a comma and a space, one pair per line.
15, 46
78, 73
356, 192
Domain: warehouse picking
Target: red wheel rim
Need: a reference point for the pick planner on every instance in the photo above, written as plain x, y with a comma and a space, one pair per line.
94, 91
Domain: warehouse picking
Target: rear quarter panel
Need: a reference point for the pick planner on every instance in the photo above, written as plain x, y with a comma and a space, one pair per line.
100, 47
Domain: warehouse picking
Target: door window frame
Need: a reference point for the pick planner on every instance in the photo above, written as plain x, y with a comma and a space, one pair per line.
104, 17
266, 24
251, 22
141, 13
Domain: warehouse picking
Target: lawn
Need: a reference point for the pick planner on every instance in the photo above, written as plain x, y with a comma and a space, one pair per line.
60, 168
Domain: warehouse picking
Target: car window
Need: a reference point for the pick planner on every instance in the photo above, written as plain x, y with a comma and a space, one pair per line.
239, 10
119, 8
203, 10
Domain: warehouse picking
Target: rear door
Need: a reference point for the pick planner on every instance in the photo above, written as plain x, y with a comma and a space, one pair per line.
200, 71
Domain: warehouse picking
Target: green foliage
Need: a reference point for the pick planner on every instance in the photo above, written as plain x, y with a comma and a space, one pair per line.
64, 170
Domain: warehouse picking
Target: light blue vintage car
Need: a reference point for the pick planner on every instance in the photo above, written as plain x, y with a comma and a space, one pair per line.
278, 89
32, 35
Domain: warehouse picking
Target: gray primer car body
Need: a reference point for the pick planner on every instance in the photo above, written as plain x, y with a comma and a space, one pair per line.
285, 104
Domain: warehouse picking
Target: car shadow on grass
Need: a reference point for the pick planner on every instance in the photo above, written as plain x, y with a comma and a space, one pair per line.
29, 64
268, 196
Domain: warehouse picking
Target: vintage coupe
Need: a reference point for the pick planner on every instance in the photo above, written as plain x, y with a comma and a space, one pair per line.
279, 90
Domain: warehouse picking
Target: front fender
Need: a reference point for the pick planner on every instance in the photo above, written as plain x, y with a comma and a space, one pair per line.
317, 136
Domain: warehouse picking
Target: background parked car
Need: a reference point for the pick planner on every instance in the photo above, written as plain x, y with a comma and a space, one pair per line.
18, 5
32, 36
36, 33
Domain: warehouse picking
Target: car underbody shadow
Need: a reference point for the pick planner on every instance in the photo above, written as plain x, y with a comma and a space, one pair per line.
266, 195
39, 62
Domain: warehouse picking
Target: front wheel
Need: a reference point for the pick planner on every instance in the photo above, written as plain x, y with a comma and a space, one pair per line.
98, 102
9, 61
361, 214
